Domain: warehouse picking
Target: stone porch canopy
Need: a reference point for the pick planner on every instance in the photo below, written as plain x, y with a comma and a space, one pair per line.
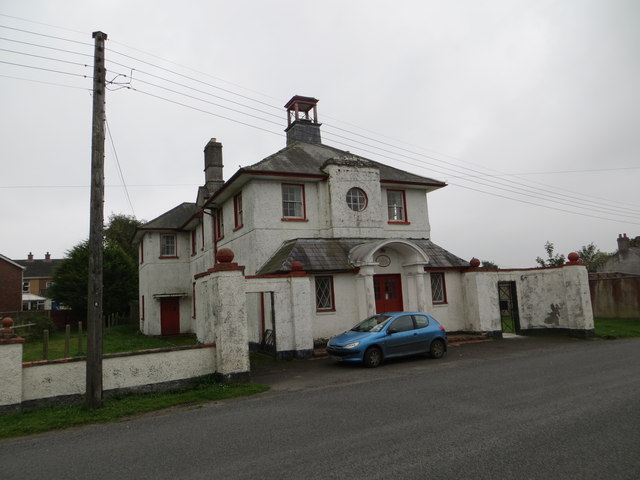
324, 255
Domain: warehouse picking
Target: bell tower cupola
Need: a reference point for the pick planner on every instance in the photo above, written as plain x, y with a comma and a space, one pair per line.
302, 120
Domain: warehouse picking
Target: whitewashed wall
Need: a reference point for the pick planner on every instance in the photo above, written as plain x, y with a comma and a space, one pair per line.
547, 298
61, 378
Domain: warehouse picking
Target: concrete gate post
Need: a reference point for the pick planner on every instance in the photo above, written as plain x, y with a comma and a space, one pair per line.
226, 289
10, 366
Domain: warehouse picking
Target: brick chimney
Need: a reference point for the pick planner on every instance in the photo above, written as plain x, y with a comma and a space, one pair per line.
302, 120
47, 257
623, 242
30, 257
213, 166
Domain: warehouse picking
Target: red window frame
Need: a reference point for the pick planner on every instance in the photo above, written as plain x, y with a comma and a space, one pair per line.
218, 224
405, 220
193, 241
332, 308
193, 296
444, 288
238, 211
303, 218
142, 250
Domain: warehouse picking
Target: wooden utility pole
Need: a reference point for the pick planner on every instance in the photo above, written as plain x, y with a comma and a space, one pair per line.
96, 227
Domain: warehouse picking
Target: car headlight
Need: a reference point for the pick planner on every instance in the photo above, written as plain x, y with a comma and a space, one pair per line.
352, 345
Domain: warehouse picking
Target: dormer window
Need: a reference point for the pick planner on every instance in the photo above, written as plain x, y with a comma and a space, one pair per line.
356, 199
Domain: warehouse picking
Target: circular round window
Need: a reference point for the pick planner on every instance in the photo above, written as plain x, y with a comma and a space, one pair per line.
356, 199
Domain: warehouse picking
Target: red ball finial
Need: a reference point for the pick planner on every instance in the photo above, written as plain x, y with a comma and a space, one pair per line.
225, 255
296, 266
474, 262
573, 257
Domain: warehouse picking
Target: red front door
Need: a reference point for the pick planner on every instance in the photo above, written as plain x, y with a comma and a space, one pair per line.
170, 315
388, 292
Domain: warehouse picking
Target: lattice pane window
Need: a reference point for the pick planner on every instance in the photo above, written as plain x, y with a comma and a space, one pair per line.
438, 292
324, 293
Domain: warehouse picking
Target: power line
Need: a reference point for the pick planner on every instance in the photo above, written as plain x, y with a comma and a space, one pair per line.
526, 190
46, 69
46, 47
117, 160
46, 36
45, 83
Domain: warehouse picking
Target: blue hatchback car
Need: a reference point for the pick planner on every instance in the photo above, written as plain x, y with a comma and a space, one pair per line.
389, 335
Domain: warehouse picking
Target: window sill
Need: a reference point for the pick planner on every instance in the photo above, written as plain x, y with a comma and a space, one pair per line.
292, 219
395, 222
168, 257
439, 304
326, 310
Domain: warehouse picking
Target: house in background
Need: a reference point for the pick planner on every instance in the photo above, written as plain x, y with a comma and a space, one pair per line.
10, 286
325, 238
36, 281
615, 288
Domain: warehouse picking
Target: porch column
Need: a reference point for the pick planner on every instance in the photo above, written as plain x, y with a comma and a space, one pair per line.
11, 361
416, 287
365, 294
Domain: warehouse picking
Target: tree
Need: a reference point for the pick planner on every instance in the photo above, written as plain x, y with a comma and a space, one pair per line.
120, 231
592, 256
488, 264
553, 260
120, 279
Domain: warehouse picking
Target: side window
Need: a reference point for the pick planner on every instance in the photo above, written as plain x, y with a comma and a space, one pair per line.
324, 294
218, 224
238, 211
25, 286
403, 324
421, 321
438, 288
168, 245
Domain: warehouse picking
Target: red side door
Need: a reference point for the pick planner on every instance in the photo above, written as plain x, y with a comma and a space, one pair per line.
170, 315
388, 292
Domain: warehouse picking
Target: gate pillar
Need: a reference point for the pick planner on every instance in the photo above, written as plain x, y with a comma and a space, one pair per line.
225, 288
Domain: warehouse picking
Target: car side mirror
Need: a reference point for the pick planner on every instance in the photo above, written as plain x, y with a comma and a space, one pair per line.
391, 330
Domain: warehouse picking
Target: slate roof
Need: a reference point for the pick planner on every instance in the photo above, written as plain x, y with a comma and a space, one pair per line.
174, 219
39, 268
332, 255
308, 159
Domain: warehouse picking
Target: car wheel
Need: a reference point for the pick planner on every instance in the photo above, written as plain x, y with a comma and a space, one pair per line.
437, 348
372, 357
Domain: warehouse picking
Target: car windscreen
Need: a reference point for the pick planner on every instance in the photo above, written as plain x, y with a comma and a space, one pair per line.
372, 324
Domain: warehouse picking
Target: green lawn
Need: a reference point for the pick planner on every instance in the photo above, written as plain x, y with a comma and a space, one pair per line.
117, 407
123, 338
617, 327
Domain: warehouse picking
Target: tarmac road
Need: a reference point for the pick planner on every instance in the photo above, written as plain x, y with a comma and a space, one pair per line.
518, 408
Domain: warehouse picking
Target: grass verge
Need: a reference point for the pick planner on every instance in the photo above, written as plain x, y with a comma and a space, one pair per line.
612, 328
117, 407
123, 338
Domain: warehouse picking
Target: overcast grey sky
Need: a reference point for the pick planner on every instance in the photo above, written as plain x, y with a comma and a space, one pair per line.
529, 110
